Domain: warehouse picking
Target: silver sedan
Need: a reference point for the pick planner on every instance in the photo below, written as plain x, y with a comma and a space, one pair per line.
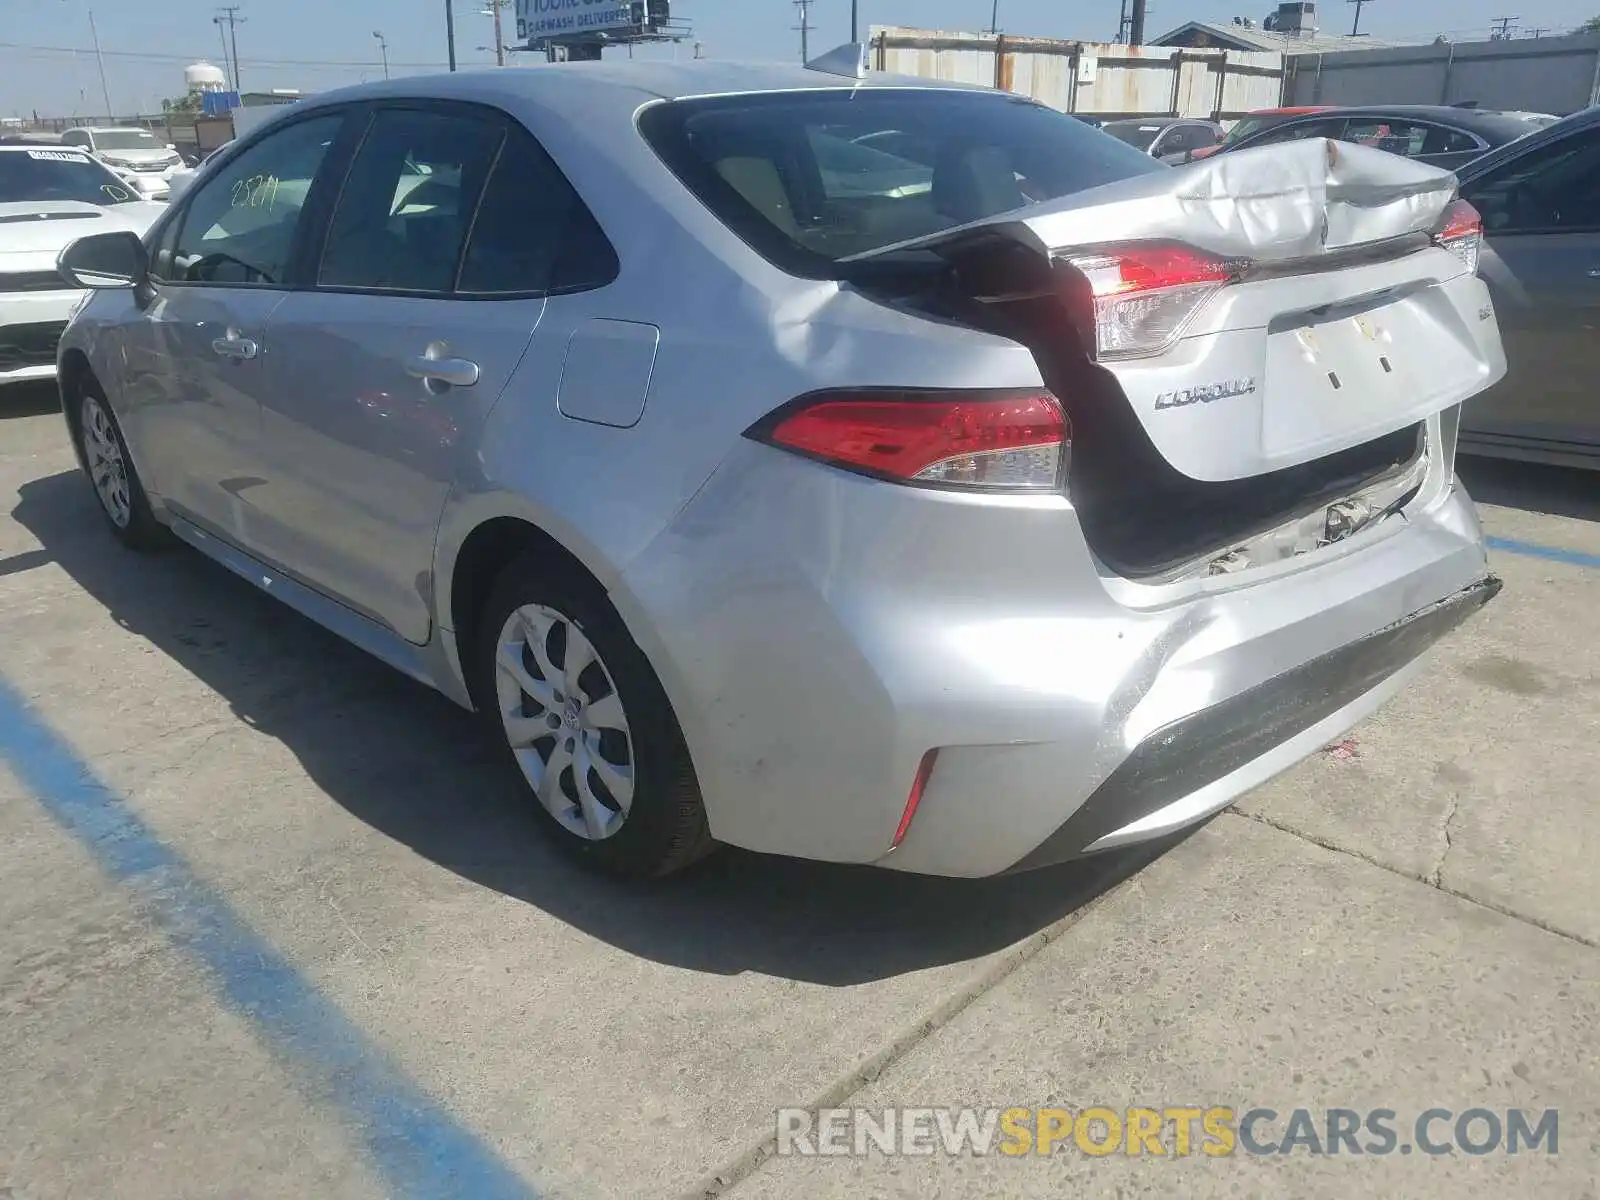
861, 469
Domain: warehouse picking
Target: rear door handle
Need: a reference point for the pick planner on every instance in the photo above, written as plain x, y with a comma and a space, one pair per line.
457, 372
235, 345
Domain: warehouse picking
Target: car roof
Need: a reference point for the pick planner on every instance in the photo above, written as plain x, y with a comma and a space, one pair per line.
578, 86
1479, 120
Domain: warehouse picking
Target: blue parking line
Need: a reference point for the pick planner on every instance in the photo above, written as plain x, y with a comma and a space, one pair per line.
1573, 558
420, 1150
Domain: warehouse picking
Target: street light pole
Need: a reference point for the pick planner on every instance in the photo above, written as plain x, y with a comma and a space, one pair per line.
383, 46
450, 30
105, 91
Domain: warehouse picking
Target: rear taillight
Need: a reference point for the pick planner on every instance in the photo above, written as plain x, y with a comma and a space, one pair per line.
979, 439
1145, 295
1461, 233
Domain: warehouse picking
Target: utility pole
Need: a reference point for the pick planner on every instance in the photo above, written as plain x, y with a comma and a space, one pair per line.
499, 37
805, 29
227, 63
1502, 27
229, 16
1136, 23
450, 30
855, 21
1355, 30
994, 17
99, 58
1122, 25
383, 45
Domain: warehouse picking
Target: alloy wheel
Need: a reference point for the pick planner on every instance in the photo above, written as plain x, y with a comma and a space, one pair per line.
564, 720
108, 468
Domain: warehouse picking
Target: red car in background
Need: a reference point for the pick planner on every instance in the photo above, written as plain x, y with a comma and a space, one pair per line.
1252, 123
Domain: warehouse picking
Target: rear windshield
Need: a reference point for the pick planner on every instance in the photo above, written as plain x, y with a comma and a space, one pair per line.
127, 139
809, 178
1136, 134
49, 174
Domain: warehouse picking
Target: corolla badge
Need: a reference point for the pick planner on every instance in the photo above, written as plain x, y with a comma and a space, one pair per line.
1206, 393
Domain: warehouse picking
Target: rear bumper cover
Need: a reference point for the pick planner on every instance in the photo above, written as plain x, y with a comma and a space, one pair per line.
1188, 755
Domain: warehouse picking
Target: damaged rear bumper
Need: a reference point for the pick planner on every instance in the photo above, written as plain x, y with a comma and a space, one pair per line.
1171, 779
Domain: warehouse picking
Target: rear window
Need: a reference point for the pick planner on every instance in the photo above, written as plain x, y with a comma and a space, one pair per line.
809, 178
1136, 134
53, 174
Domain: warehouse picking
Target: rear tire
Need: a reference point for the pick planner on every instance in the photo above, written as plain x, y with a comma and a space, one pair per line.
110, 470
598, 749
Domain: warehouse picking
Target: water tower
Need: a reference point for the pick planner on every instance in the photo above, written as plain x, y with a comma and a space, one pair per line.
203, 77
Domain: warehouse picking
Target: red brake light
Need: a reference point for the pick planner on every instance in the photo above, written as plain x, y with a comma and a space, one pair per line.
1152, 269
1461, 233
1145, 295
918, 786
981, 439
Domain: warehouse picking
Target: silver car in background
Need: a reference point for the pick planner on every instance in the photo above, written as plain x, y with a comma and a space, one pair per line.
867, 470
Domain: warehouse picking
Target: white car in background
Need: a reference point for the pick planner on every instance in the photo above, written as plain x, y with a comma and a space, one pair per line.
137, 155
49, 197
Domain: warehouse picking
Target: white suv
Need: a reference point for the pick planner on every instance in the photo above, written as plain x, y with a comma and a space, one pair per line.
140, 157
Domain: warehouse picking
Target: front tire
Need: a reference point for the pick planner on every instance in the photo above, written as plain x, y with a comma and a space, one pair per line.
571, 699
111, 472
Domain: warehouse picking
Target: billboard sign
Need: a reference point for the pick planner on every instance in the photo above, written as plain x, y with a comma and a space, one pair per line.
538, 19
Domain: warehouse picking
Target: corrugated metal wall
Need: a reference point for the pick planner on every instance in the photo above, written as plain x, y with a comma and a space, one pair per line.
1089, 77
1554, 75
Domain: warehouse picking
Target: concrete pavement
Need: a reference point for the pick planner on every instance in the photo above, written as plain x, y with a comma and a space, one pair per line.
1409, 920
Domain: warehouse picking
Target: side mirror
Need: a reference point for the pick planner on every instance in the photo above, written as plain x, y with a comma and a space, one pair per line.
105, 260
172, 146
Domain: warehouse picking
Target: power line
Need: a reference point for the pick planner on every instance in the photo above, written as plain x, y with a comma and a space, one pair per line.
156, 57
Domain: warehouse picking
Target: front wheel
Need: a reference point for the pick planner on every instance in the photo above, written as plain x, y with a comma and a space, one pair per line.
574, 702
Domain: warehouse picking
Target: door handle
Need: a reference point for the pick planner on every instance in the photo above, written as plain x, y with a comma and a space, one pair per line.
457, 372
1594, 272
235, 346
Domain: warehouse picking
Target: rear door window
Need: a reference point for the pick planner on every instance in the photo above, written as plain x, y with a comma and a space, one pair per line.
532, 232
809, 178
408, 201
1294, 131
1405, 138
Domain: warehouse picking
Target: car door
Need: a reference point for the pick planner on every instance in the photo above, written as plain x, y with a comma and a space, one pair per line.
1541, 260
197, 358
452, 227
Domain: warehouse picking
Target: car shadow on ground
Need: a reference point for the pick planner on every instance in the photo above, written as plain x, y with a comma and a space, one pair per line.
409, 763
29, 399
1533, 487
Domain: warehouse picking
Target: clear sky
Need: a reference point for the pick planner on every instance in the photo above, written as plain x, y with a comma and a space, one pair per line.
313, 44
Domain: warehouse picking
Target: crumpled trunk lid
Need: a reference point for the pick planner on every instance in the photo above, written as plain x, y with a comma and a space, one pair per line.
1343, 323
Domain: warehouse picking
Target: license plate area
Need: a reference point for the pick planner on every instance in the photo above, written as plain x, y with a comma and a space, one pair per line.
1361, 369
